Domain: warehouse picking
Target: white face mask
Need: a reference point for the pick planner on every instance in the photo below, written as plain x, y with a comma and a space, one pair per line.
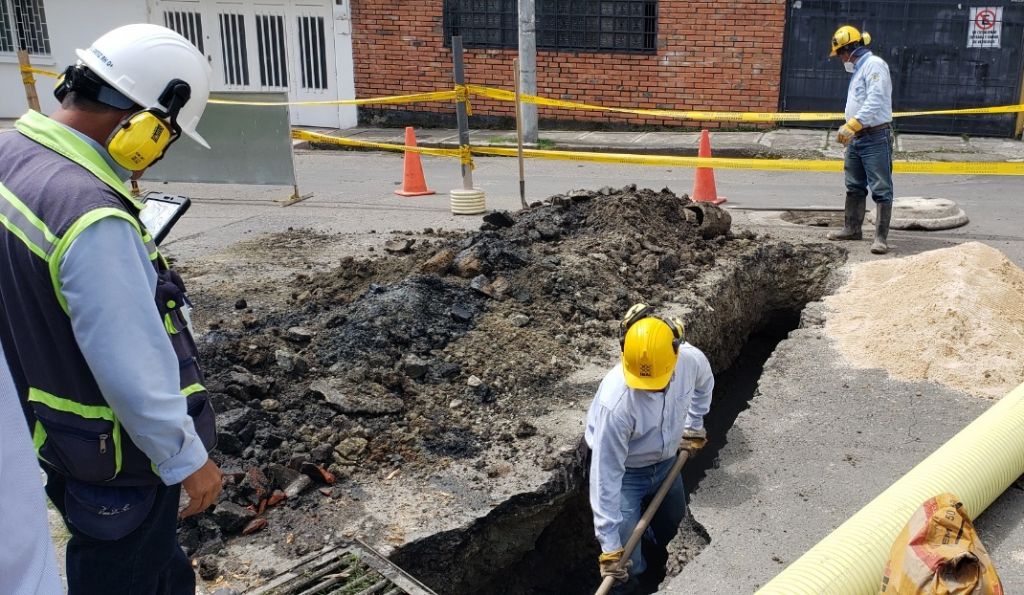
848, 66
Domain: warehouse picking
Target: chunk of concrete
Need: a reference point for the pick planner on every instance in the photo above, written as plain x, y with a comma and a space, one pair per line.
923, 212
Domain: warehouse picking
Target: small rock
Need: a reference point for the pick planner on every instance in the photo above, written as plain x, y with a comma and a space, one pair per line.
439, 263
241, 304
299, 334
414, 366
349, 449
231, 517
399, 246
455, 404
346, 402
461, 313
254, 526
467, 264
482, 284
499, 219
519, 320
285, 360
547, 231
525, 429
270, 404
474, 381
208, 568
297, 486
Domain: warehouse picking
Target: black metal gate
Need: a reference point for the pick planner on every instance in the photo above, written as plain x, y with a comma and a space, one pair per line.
925, 44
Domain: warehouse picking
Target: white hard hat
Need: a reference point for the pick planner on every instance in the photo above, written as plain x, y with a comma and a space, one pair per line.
140, 60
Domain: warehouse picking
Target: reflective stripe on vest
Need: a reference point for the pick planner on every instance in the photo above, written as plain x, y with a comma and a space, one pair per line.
19, 220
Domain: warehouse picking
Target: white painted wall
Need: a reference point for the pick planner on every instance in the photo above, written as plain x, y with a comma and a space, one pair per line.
72, 24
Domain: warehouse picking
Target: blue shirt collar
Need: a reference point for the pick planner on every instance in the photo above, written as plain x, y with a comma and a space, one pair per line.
120, 172
861, 54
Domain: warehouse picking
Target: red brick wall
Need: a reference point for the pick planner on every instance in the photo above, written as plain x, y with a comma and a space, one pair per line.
711, 56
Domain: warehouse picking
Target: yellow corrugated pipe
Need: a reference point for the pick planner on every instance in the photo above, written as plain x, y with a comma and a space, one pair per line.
976, 465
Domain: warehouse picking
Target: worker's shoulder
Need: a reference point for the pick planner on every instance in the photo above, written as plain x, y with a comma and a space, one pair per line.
612, 392
690, 354
875, 63
32, 169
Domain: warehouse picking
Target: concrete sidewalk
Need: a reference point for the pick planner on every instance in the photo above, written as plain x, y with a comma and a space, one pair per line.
779, 143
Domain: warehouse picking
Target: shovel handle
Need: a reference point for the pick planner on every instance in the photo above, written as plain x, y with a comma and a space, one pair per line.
645, 520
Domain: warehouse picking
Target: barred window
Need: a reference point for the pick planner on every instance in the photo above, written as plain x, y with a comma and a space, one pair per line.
568, 25
23, 27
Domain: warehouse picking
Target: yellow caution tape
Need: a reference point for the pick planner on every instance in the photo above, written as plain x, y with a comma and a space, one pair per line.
393, 99
348, 142
463, 93
34, 70
990, 168
464, 154
707, 116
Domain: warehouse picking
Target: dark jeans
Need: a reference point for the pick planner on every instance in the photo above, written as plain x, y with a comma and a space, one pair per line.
868, 165
148, 561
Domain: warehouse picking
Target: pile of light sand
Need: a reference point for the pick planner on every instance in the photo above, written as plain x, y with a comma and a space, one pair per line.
953, 316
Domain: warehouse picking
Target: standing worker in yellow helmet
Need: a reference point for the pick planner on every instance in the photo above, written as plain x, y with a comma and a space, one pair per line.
867, 135
648, 407
93, 322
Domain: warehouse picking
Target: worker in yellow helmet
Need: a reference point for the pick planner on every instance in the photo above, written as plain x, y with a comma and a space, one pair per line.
648, 406
867, 135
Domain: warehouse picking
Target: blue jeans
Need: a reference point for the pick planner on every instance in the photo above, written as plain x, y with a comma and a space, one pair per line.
868, 166
148, 561
638, 486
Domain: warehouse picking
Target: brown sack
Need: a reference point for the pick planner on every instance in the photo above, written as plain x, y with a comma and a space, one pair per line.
939, 553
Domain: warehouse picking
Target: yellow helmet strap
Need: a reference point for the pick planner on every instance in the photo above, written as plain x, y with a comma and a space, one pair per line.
141, 139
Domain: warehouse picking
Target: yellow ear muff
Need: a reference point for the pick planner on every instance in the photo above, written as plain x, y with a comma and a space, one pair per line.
866, 38
140, 140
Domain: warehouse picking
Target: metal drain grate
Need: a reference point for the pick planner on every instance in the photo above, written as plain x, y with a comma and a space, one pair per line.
353, 569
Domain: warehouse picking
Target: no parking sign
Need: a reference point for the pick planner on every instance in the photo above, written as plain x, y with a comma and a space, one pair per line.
986, 27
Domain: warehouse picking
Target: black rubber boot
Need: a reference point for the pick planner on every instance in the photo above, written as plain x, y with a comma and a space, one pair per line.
854, 220
883, 213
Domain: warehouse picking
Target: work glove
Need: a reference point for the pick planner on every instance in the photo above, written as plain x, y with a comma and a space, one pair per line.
848, 130
693, 440
609, 562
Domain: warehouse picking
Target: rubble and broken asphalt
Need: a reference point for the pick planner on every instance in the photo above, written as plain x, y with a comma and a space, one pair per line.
452, 354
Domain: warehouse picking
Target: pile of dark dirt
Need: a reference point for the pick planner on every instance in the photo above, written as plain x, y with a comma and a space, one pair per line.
446, 343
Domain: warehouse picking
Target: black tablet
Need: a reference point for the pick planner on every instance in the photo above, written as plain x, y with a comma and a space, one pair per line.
161, 211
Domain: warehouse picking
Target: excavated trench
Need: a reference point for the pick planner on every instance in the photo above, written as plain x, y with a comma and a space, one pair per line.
542, 542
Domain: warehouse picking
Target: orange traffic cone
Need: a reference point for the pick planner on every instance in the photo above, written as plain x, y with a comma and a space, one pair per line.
413, 183
704, 184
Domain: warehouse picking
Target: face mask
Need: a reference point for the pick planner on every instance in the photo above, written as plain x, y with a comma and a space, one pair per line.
848, 66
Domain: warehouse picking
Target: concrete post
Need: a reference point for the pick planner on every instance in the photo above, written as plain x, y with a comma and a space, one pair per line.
528, 67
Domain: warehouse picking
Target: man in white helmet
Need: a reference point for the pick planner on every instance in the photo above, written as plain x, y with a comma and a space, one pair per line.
94, 324
647, 407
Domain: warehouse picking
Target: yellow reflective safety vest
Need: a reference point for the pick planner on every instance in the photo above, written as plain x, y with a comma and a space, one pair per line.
53, 185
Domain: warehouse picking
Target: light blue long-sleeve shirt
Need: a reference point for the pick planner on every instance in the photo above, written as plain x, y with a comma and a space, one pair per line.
28, 565
109, 283
110, 287
635, 428
869, 97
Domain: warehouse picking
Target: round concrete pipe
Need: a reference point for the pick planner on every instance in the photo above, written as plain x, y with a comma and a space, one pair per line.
711, 220
976, 465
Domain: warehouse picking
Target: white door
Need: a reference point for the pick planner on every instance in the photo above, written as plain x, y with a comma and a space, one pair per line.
271, 45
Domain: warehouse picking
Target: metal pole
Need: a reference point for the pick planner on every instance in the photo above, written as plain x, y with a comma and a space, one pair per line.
29, 80
461, 114
519, 136
652, 508
528, 66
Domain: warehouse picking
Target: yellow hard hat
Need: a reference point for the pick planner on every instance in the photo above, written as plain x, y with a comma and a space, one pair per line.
846, 35
649, 351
